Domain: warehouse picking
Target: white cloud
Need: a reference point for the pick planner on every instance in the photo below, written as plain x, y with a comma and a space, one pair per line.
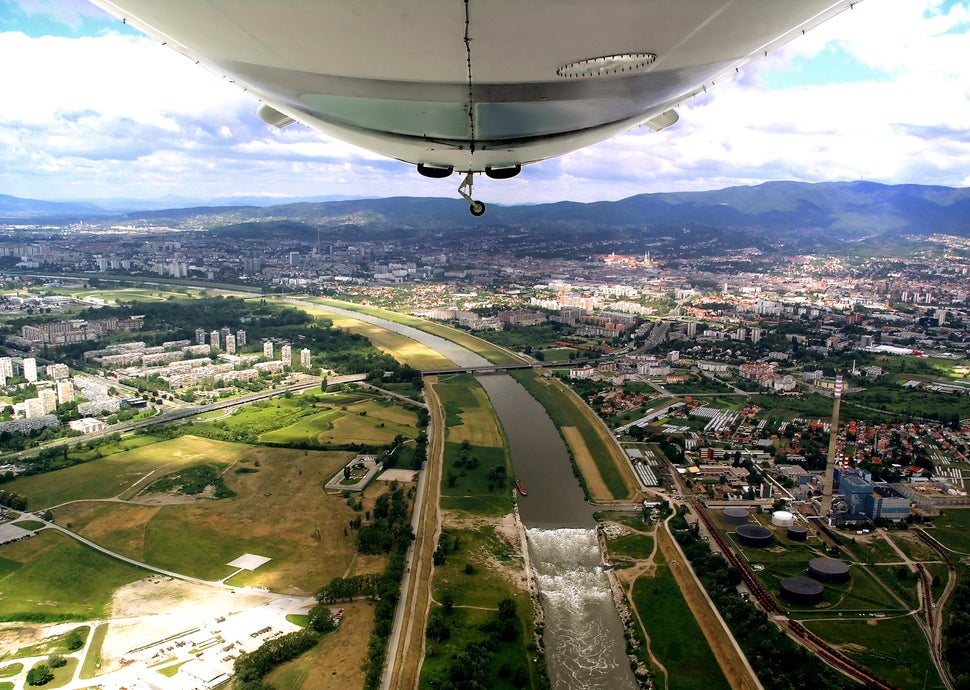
117, 115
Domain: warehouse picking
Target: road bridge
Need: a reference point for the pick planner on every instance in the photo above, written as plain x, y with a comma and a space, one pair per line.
501, 368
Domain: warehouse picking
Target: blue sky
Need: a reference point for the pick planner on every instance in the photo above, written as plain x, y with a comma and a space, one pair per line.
93, 109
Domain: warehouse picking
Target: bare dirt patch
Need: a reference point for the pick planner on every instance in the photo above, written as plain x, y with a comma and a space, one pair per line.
398, 475
155, 608
587, 466
17, 635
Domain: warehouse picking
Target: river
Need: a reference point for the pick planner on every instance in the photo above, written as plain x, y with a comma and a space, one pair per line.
582, 633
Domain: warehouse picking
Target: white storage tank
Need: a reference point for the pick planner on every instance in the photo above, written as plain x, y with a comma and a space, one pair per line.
782, 518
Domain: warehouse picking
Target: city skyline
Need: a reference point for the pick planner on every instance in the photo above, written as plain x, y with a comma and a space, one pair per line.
96, 110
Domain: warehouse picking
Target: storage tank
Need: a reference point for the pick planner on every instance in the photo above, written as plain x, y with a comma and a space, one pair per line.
801, 590
735, 516
782, 518
828, 570
798, 533
753, 535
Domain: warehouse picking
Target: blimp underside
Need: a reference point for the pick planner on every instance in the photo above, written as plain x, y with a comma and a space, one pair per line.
474, 85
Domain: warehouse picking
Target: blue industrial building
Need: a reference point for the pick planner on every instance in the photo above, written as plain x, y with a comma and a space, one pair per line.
872, 500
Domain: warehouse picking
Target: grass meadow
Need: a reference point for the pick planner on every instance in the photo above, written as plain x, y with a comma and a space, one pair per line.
198, 537
476, 592
371, 422
120, 472
675, 638
892, 647
52, 577
469, 416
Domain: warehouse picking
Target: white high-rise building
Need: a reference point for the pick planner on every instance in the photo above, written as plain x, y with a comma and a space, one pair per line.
268, 349
65, 391
30, 369
57, 371
214, 339
231, 344
200, 336
286, 354
305, 358
48, 399
240, 338
33, 408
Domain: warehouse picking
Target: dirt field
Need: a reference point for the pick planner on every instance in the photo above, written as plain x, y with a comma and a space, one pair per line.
155, 608
587, 466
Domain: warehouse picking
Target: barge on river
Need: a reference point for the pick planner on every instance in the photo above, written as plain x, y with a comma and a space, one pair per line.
521, 487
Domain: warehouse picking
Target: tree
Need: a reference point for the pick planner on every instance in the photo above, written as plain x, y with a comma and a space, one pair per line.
75, 640
447, 602
55, 660
40, 675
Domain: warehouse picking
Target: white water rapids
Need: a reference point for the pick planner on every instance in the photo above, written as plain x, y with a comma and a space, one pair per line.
582, 630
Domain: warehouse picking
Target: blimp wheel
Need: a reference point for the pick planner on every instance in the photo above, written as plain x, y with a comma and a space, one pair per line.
477, 208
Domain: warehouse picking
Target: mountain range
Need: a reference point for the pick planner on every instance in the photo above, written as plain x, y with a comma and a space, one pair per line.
843, 211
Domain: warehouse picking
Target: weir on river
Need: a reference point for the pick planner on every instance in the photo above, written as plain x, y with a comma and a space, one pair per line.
582, 633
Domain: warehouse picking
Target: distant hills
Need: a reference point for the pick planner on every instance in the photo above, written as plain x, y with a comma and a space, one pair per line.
769, 212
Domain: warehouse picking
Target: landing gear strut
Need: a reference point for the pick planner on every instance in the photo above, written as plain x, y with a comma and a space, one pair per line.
477, 208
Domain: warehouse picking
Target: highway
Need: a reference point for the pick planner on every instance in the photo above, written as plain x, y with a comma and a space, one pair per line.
171, 416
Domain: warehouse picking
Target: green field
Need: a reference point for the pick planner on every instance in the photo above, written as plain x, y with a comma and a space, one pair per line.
113, 475
317, 419
479, 587
675, 638
952, 529
484, 587
371, 422
631, 547
64, 674
11, 670
59, 579
473, 487
92, 662
893, 648
197, 537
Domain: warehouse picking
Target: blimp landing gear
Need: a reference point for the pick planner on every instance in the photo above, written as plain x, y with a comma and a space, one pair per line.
477, 208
